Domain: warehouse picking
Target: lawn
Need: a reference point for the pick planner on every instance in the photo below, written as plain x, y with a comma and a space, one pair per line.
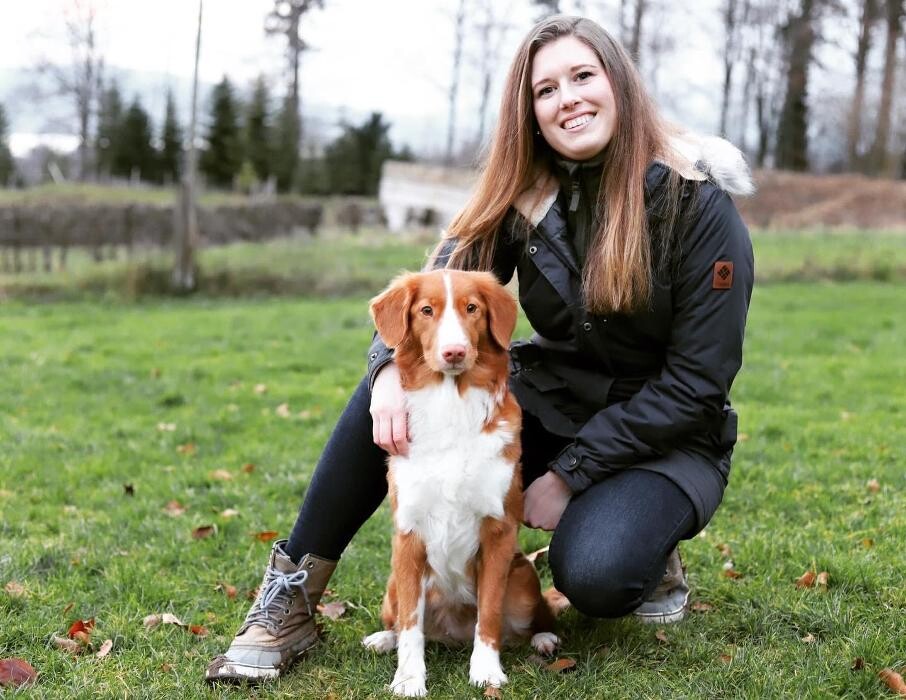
110, 412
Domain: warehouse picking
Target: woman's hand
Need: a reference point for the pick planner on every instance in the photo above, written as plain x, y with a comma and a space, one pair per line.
388, 412
545, 500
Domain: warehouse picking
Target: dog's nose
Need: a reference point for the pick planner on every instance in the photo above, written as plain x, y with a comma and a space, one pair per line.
454, 353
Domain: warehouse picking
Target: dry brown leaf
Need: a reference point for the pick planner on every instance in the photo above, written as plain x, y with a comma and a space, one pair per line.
166, 668
248, 468
82, 638
730, 572
538, 555
228, 590
15, 590
261, 388
858, 664
187, 449
70, 645
229, 513
556, 600
174, 509
492, 691
80, 627
15, 672
203, 531
808, 639
69, 606
166, 427
724, 549
561, 666
283, 410
807, 580
699, 606
726, 658
661, 636
105, 648
198, 630
334, 610
266, 535
893, 680
220, 475
821, 580
873, 485
152, 621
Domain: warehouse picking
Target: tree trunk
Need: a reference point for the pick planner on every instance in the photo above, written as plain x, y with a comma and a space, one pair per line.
880, 160
635, 45
454, 84
854, 130
792, 132
731, 34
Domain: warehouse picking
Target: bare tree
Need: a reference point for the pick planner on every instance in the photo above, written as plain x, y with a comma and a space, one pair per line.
491, 31
880, 158
452, 95
635, 40
735, 16
764, 59
869, 13
81, 81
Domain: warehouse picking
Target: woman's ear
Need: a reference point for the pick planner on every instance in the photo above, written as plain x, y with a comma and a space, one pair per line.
390, 310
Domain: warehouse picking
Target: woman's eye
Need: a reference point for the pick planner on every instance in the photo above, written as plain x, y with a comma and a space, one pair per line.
471, 308
584, 75
427, 311
545, 91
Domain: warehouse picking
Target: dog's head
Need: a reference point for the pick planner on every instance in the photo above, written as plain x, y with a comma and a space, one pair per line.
445, 318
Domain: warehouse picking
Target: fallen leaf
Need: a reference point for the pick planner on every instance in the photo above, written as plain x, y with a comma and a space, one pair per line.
203, 531
83, 638
661, 636
725, 550
228, 590
868, 543
16, 672
105, 648
198, 630
152, 621
729, 571
261, 388
266, 535
492, 691
807, 580
282, 410
561, 666
556, 600
536, 660
174, 509
128, 490
701, 607
166, 427
229, 513
873, 485
187, 449
15, 589
858, 664
893, 680
220, 475
83, 626
821, 580
253, 593
538, 555
69, 606
166, 668
808, 639
334, 610
70, 645
742, 437
248, 468
726, 658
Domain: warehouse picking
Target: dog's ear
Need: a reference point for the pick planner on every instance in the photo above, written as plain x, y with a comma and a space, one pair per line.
501, 310
390, 310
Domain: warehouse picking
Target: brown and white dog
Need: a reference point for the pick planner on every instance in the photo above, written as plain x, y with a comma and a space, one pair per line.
457, 571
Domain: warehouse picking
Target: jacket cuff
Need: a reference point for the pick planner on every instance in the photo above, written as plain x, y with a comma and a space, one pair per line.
378, 356
568, 466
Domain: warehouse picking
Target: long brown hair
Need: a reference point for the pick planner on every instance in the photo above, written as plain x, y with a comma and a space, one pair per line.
619, 265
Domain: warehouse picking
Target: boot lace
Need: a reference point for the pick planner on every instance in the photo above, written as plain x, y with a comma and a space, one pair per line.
276, 596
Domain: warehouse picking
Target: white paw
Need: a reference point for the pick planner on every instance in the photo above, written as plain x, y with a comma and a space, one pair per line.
545, 643
381, 642
409, 685
484, 666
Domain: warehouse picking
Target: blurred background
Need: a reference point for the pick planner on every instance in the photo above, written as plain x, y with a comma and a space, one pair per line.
365, 117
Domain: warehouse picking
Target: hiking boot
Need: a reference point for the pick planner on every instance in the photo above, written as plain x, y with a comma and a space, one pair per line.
669, 600
280, 626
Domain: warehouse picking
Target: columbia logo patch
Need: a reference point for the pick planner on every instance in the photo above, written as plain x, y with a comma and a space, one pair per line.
723, 275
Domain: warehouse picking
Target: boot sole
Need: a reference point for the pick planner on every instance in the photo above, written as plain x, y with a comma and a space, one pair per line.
249, 674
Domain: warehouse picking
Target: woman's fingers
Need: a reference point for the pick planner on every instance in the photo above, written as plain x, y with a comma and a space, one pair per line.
389, 432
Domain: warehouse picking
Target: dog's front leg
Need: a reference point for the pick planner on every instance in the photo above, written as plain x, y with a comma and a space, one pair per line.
409, 567
498, 541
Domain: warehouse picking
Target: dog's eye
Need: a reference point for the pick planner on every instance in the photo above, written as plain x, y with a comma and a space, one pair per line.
427, 311
471, 309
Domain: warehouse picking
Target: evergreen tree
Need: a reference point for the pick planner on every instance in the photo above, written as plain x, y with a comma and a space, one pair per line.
110, 121
7, 164
354, 160
258, 142
134, 149
170, 160
222, 159
285, 160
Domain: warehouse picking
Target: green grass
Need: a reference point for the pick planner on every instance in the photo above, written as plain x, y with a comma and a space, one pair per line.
87, 384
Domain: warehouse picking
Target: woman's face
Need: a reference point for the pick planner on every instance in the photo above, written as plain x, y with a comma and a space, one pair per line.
573, 100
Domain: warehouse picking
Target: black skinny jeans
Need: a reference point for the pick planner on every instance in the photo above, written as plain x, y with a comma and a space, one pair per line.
607, 554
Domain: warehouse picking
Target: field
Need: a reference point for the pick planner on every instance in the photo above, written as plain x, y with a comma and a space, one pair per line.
113, 410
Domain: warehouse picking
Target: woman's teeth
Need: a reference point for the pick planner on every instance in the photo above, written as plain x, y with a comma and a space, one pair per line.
578, 121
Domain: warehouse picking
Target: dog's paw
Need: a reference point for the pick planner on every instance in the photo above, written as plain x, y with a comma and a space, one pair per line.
484, 667
545, 643
381, 642
409, 685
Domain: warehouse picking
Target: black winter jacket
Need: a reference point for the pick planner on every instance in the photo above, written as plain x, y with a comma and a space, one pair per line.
630, 389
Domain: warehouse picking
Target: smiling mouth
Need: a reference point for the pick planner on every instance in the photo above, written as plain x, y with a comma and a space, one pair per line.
578, 122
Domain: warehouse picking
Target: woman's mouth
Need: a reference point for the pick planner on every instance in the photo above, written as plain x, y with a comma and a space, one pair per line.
577, 122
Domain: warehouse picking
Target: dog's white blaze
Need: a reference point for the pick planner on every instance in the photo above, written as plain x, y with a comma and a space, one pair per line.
449, 330
411, 676
454, 477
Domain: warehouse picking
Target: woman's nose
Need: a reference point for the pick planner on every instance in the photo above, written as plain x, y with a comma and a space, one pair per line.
568, 98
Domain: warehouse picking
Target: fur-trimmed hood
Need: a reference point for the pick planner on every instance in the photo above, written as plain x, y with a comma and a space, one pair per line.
699, 158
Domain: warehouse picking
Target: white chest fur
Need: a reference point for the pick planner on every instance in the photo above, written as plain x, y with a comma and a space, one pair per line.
455, 476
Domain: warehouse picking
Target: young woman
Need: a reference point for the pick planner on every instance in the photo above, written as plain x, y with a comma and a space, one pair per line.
635, 272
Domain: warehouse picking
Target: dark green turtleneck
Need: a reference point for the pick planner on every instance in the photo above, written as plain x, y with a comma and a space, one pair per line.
579, 185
